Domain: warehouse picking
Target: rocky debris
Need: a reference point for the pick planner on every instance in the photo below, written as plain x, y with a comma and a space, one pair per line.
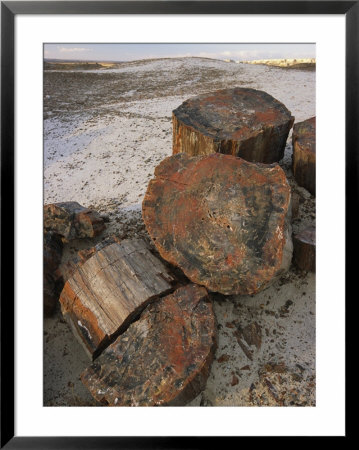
304, 154
72, 221
110, 289
304, 249
252, 334
241, 122
224, 221
164, 358
280, 386
51, 258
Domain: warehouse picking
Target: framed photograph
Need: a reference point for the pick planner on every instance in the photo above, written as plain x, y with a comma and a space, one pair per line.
171, 147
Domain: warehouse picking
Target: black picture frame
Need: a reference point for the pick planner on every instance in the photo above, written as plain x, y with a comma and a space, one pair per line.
8, 12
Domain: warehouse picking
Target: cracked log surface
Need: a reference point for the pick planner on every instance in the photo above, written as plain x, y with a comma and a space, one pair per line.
303, 139
52, 258
304, 249
224, 221
242, 122
162, 359
110, 289
72, 221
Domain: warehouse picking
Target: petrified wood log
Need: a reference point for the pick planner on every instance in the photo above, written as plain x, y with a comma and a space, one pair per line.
241, 122
162, 359
51, 259
224, 221
68, 268
304, 154
72, 221
304, 249
110, 289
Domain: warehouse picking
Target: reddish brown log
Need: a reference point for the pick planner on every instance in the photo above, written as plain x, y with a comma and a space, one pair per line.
110, 289
224, 221
304, 154
304, 249
72, 221
241, 122
52, 259
162, 359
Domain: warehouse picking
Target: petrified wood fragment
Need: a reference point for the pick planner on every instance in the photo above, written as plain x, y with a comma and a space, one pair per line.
68, 268
224, 221
162, 359
241, 122
304, 154
72, 221
110, 289
51, 259
304, 249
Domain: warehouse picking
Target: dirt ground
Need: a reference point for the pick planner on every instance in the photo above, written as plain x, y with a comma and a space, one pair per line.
105, 130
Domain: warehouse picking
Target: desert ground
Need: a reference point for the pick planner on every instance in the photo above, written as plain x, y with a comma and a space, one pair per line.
106, 128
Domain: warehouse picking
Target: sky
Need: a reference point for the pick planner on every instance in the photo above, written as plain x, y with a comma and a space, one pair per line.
131, 52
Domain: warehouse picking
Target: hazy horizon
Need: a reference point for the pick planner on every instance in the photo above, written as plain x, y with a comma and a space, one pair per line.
132, 52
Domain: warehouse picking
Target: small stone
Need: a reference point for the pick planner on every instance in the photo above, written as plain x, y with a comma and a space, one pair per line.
223, 358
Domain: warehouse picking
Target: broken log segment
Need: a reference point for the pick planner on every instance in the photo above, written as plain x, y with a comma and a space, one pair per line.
303, 139
110, 289
51, 259
72, 221
223, 220
163, 359
242, 122
304, 249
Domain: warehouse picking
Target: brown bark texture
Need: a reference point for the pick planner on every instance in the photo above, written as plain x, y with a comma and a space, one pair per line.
304, 154
242, 122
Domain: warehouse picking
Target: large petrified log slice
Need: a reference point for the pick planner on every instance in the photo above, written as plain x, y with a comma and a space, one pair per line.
72, 221
110, 289
242, 122
304, 249
51, 258
224, 221
162, 359
304, 154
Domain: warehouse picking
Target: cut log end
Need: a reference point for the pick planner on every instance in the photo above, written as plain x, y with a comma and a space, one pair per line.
162, 359
224, 221
109, 289
242, 122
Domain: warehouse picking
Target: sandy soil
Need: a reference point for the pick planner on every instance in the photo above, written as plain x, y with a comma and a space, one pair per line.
105, 130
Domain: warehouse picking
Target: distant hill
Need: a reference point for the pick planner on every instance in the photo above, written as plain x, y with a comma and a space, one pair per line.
292, 63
